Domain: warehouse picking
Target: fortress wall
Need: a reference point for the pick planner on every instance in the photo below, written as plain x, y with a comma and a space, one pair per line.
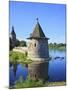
21, 49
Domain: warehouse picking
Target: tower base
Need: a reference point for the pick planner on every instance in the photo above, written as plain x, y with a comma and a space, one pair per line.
38, 70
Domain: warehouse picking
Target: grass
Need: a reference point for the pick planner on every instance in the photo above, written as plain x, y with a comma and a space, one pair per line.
15, 57
61, 48
30, 83
62, 83
18, 57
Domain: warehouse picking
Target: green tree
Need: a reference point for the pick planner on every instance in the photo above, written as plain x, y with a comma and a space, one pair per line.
21, 83
22, 43
17, 43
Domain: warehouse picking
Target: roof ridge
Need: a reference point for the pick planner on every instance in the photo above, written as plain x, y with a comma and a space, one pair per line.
38, 32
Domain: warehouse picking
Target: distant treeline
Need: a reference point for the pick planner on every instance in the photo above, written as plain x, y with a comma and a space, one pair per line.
57, 46
21, 43
52, 45
17, 43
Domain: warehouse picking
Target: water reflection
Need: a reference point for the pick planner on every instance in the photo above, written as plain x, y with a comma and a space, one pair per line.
21, 71
56, 72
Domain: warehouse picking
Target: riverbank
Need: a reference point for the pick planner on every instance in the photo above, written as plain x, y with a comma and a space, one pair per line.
15, 56
50, 84
18, 57
61, 47
38, 84
32, 83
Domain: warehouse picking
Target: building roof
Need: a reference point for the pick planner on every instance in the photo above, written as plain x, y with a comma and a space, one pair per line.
38, 32
13, 32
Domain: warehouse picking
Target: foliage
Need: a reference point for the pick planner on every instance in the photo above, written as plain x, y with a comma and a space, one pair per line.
10, 44
18, 56
59, 46
60, 83
22, 43
17, 42
28, 83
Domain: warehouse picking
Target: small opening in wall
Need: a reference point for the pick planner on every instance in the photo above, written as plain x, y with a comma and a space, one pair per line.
35, 45
35, 75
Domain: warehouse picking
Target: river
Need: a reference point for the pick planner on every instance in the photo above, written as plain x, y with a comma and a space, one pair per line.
56, 71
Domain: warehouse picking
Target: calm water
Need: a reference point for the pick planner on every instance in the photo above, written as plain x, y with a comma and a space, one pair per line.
57, 67
56, 72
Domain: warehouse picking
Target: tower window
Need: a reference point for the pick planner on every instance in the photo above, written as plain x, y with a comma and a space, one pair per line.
35, 44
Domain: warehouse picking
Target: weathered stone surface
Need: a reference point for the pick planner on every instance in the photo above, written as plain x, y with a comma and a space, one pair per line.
38, 52
38, 70
38, 48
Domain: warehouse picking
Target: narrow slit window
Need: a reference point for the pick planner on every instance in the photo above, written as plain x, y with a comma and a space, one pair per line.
35, 45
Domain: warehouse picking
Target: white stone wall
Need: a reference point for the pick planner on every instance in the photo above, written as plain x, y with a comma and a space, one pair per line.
21, 49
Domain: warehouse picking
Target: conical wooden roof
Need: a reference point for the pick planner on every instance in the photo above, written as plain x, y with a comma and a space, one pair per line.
13, 32
38, 32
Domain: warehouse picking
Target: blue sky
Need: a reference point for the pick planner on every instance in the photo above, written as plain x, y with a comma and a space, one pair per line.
51, 18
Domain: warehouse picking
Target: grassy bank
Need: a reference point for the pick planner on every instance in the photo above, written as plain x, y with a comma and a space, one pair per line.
57, 47
62, 83
18, 57
38, 84
29, 83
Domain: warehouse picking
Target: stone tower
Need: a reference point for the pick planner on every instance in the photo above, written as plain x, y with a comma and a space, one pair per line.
13, 38
39, 53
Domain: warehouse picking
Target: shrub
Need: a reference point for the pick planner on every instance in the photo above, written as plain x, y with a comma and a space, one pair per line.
28, 83
18, 56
